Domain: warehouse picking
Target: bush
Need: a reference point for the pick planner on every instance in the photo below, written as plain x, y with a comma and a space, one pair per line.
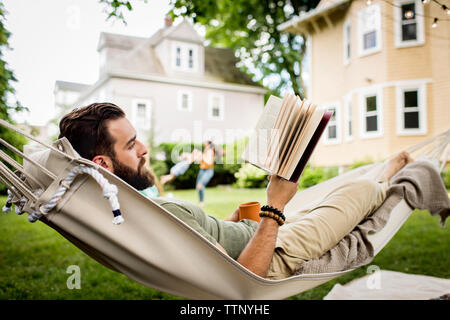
360, 163
312, 176
250, 176
224, 168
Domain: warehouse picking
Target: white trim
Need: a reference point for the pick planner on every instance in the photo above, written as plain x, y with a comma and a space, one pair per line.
188, 93
188, 82
348, 117
419, 19
420, 87
221, 106
134, 114
337, 122
309, 83
347, 40
388, 84
363, 94
363, 20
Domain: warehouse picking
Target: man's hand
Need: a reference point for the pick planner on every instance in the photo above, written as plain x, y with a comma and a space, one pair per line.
280, 192
234, 217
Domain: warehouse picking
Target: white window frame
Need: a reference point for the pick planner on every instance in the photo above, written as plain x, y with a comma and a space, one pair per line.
362, 19
148, 113
221, 106
348, 117
347, 41
420, 87
180, 100
399, 43
184, 56
337, 122
363, 94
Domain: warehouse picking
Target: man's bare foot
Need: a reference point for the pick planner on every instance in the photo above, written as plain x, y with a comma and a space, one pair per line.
395, 164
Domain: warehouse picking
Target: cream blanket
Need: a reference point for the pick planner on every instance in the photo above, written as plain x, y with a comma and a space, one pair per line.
419, 183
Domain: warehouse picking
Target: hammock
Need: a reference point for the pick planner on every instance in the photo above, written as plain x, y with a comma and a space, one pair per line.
129, 233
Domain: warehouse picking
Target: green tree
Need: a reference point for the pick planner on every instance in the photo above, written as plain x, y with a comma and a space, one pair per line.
7, 91
249, 27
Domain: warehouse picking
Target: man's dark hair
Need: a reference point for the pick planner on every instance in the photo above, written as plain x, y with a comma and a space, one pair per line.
86, 129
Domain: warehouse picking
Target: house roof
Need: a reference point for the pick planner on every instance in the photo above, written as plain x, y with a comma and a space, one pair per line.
138, 55
324, 8
71, 86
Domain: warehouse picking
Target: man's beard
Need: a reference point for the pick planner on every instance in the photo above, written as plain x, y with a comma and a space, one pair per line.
140, 179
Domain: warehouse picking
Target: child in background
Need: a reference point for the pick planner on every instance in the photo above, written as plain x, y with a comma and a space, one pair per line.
181, 167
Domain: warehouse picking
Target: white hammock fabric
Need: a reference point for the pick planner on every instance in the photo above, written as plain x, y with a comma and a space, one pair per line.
152, 246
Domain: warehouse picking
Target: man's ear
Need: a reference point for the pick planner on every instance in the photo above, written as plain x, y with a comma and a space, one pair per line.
104, 161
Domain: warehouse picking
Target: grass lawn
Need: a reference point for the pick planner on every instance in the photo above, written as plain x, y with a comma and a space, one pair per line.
34, 258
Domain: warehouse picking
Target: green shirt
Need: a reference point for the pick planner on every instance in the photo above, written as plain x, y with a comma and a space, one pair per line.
233, 236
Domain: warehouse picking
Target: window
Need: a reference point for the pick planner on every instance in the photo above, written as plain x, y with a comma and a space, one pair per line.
348, 111
411, 109
216, 107
141, 114
332, 134
178, 57
371, 113
347, 42
184, 100
191, 59
409, 30
185, 57
369, 30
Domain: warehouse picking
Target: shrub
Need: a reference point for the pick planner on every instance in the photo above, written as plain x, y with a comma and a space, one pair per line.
360, 163
224, 168
250, 176
312, 176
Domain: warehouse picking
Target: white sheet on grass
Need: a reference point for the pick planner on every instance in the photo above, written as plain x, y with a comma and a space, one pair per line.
390, 285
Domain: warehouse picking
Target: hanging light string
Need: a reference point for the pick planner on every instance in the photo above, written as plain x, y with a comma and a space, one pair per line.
428, 33
410, 14
443, 6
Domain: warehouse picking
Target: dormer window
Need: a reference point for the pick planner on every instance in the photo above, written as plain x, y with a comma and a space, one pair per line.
185, 57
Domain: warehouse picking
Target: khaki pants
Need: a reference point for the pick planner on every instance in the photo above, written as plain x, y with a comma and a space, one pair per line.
311, 232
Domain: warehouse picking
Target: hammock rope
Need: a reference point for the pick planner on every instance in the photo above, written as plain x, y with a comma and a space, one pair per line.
109, 191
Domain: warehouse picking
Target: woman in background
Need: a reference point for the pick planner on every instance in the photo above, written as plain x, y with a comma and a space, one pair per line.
206, 170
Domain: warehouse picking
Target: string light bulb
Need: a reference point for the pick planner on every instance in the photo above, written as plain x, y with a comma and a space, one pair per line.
435, 22
369, 2
446, 9
409, 14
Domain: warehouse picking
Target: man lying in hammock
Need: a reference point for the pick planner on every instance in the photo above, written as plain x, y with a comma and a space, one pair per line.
272, 248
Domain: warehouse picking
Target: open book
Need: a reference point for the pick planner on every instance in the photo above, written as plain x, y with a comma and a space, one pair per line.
285, 136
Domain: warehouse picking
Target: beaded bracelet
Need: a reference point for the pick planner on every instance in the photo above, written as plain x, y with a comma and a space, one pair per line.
272, 215
274, 210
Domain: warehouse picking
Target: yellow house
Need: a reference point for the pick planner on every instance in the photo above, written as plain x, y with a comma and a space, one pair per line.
383, 68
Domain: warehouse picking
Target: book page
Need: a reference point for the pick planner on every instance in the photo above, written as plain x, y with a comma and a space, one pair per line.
286, 122
256, 149
300, 110
274, 134
305, 114
310, 128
